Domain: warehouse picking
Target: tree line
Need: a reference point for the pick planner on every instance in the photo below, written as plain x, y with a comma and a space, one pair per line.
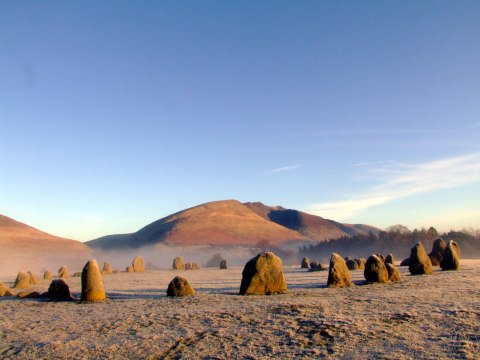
396, 240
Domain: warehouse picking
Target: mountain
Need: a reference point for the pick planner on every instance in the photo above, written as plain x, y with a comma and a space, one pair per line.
312, 227
15, 235
24, 247
221, 223
230, 223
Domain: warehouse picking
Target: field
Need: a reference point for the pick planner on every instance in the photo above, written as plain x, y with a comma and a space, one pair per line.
421, 317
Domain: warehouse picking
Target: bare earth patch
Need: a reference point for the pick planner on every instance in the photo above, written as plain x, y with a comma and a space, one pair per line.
420, 317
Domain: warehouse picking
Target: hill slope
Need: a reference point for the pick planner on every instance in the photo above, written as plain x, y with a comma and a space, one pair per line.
229, 223
224, 223
24, 247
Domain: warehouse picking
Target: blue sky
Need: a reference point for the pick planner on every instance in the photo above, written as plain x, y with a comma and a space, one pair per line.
116, 113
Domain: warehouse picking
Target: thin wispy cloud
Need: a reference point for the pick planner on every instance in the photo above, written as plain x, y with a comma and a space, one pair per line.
396, 181
282, 169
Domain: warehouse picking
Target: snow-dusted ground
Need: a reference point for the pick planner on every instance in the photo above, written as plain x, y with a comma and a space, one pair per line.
422, 317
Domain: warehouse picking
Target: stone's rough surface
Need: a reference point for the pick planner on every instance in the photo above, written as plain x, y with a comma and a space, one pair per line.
450, 259
92, 284
405, 262
59, 290
107, 268
390, 259
138, 264
5, 290
33, 279
305, 263
63, 272
179, 286
419, 263
338, 273
47, 275
129, 269
436, 255
263, 275
223, 264
393, 273
178, 263
456, 247
375, 270
22, 281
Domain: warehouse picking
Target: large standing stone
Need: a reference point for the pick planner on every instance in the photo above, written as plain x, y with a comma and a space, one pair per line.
59, 290
436, 255
179, 286
22, 281
63, 272
178, 263
129, 269
47, 275
393, 273
107, 268
305, 263
5, 290
138, 264
223, 264
419, 263
33, 279
263, 275
450, 260
338, 273
92, 284
375, 270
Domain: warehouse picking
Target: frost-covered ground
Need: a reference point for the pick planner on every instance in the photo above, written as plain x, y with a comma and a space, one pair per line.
422, 317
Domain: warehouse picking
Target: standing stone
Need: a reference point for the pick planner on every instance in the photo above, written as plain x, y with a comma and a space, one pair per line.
352, 264
438, 248
178, 263
317, 266
138, 264
338, 273
22, 281
405, 262
419, 263
92, 284
450, 260
179, 286
47, 275
361, 263
77, 274
375, 270
107, 268
223, 264
263, 275
63, 272
456, 246
188, 266
129, 269
59, 290
305, 263
393, 273
390, 259
33, 279
195, 266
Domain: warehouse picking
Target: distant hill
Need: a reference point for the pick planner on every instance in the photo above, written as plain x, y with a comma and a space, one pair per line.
231, 223
24, 247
